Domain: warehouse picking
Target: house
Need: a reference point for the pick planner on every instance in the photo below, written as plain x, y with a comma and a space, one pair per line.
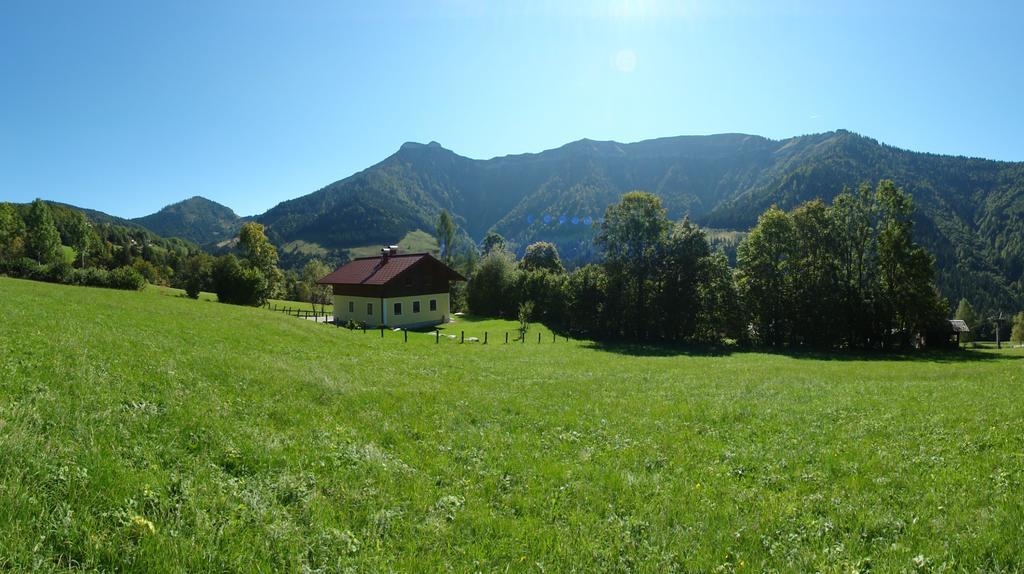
393, 290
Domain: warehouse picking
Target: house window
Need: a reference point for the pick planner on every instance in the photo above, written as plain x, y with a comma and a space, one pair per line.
415, 306
351, 306
369, 309
398, 308
433, 304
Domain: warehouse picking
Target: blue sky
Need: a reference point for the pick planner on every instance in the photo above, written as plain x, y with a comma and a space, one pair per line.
128, 106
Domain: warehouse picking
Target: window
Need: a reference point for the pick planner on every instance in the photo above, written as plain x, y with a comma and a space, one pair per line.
398, 308
351, 306
415, 306
433, 304
369, 309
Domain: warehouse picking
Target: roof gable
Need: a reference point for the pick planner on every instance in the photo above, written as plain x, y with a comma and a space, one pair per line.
374, 271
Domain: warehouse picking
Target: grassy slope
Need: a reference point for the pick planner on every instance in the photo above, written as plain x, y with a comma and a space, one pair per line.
414, 242
251, 441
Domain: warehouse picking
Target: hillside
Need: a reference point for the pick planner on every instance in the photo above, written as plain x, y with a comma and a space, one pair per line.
141, 432
196, 219
970, 211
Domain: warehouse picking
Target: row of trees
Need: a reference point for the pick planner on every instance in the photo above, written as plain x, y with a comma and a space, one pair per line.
33, 240
823, 276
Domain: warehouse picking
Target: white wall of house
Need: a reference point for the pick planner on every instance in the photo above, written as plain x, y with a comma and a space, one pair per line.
409, 316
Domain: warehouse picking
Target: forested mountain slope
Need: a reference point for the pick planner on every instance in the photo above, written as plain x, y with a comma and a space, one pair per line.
970, 211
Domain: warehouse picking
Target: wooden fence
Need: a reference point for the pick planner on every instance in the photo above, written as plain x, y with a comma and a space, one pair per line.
316, 316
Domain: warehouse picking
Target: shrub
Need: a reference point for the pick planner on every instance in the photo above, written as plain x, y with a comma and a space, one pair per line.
126, 278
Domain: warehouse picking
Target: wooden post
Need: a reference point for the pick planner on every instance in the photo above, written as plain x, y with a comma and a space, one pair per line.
552, 336
538, 337
506, 337
364, 328
485, 337
462, 336
437, 336
405, 333
382, 332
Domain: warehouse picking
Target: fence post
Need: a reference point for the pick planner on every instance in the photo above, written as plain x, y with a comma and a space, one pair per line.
552, 336
382, 332
462, 336
485, 337
437, 336
364, 328
506, 337
405, 334
538, 337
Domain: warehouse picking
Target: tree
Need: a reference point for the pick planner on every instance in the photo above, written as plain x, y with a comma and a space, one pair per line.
42, 241
490, 288
854, 216
816, 277
197, 272
763, 279
678, 275
909, 303
966, 313
236, 284
319, 294
12, 233
631, 235
585, 298
446, 235
1017, 335
719, 312
492, 241
81, 235
542, 255
524, 315
261, 256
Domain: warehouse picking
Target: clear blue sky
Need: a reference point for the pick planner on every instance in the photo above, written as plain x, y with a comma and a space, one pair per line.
127, 106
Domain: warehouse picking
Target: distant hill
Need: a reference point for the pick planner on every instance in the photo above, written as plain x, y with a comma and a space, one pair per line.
970, 211
196, 219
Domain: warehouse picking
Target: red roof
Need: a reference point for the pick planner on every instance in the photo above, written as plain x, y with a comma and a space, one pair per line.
370, 271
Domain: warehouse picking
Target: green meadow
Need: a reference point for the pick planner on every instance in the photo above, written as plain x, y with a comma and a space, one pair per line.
150, 433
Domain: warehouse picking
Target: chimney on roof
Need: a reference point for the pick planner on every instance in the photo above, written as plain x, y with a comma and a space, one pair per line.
394, 249
385, 254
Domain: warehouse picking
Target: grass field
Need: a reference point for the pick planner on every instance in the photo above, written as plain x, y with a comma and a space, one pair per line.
204, 296
149, 433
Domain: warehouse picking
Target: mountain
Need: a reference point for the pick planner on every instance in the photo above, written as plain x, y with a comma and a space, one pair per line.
196, 219
970, 212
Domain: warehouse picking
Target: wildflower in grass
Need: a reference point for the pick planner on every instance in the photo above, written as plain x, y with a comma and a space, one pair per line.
142, 527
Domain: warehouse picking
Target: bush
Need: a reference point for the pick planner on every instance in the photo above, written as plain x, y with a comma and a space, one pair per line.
238, 285
126, 278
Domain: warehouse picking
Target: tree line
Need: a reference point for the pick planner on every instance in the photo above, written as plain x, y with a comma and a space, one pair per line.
845, 275
50, 242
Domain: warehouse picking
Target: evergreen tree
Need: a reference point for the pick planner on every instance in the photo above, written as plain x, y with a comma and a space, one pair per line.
42, 241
